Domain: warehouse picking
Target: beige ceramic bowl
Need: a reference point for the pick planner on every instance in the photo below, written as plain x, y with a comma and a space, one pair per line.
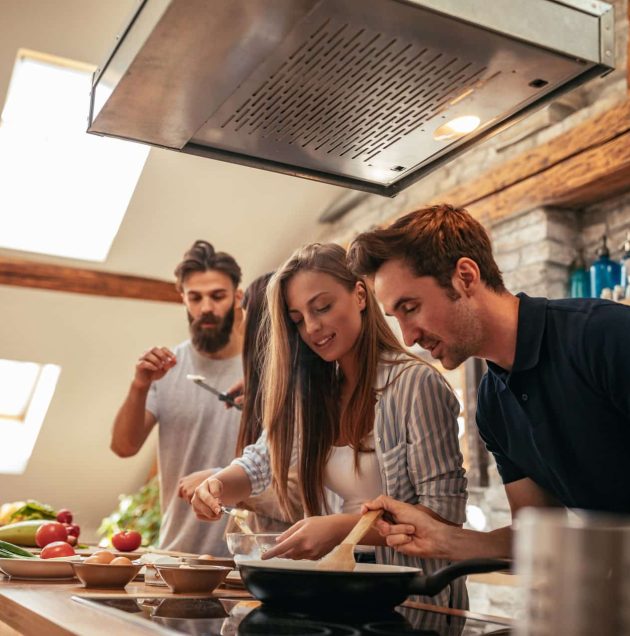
224, 562
193, 578
102, 575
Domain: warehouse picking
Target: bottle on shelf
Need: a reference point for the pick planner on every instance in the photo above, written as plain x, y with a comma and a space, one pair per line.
579, 277
605, 273
625, 261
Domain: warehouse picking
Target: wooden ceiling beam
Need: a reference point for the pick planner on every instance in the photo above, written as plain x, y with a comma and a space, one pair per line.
570, 147
25, 273
592, 176
588, 164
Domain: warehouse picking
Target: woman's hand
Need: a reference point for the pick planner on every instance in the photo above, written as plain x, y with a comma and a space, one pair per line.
312, 538
206, 501
189, 483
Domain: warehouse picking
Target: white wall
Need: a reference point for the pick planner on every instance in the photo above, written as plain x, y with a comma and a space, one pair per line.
96, 341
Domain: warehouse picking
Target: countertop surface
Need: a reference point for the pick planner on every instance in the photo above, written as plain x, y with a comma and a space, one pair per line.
53, 608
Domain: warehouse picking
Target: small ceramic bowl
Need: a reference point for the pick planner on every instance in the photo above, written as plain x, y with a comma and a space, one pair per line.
224, 562
102, 575
250, 546
192, 579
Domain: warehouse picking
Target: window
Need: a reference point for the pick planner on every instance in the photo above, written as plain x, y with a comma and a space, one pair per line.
26, 391
64, 192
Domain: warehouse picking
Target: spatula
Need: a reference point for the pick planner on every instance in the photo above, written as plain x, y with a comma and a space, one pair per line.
342, 557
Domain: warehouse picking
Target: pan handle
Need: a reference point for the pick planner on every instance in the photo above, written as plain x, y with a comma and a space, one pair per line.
432, 584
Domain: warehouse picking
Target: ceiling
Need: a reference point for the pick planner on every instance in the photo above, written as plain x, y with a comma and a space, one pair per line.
178, 198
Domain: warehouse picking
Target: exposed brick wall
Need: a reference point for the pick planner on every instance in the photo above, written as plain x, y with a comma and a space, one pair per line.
534, 248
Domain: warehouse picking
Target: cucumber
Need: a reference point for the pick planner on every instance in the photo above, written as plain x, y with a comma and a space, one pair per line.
15, 550
22, 532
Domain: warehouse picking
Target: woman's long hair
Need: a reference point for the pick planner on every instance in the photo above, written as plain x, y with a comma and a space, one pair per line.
255, 305
301, 391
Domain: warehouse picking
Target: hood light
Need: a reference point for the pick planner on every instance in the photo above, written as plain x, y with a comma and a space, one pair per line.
457, 127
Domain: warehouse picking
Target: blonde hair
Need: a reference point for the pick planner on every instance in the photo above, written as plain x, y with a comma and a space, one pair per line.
301, 391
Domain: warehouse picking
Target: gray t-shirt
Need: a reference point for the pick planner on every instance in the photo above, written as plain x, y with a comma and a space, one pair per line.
196, 432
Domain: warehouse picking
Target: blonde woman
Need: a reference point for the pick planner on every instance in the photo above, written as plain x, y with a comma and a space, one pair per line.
358, 414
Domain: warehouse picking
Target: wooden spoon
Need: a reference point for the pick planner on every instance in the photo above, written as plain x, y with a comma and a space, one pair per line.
342, 557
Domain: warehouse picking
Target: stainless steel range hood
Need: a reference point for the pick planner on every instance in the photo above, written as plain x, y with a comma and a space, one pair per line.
367, 94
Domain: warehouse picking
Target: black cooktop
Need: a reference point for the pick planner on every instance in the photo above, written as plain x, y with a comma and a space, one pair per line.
213, 617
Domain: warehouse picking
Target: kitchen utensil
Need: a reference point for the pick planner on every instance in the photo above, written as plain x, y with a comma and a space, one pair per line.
575, 572
37, 568
105, 575
192, 579
200, 380
300, 585
342, 557
240, 518
221, 561
250, 546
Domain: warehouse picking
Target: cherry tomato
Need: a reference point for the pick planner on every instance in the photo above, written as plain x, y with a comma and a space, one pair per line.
127, 540
72, 540
57, 549
64, 516
49, 532
73, 529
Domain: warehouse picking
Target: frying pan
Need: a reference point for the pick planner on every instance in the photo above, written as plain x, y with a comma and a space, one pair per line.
299, 585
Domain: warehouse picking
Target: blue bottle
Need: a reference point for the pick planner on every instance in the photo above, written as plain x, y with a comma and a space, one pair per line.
625, 261
579, 278
604, 272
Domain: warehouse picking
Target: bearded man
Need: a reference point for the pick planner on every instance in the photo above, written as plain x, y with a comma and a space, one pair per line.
197, 435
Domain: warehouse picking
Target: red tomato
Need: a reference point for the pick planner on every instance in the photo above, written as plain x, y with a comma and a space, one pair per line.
64, 516
127, 540
57, 549
72, 540
49, 532
73, 529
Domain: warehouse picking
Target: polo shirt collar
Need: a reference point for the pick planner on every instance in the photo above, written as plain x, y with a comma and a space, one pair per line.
532, 316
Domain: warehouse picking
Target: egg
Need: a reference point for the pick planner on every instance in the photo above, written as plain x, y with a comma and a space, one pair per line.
120, 561
102, 556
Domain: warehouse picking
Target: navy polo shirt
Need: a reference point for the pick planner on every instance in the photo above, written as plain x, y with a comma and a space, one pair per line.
561, 416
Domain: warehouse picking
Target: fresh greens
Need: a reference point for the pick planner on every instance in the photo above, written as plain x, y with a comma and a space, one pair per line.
10, 551
140, 512
32, 510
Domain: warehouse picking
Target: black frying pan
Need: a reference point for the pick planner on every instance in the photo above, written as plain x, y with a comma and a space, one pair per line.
298, 585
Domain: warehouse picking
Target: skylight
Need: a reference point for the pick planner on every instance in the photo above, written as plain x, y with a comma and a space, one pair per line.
63, 192
27, 389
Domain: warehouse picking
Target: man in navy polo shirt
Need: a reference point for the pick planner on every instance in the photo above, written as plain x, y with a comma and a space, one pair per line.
554, 407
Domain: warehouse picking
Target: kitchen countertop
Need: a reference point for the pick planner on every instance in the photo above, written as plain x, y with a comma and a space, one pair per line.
46, 607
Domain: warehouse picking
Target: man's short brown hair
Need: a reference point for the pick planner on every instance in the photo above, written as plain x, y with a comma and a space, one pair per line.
431, 241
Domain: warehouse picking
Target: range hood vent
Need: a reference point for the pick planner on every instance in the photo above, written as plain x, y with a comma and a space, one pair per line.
366, 94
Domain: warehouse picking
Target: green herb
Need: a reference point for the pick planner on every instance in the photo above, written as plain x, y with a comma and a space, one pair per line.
140, 512
15, 550
33, 510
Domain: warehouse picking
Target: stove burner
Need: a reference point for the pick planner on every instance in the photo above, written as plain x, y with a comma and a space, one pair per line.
261, 622
394, 628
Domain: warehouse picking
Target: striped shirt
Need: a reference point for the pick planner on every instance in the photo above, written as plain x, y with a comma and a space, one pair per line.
416, 442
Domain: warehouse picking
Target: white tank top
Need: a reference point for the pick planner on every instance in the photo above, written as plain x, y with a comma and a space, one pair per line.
353, 487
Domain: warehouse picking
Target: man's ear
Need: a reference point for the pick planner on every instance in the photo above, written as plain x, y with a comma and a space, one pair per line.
238, 298
466, 277
361, 294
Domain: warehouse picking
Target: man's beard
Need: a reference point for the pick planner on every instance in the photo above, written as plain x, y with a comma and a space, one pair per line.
211, 340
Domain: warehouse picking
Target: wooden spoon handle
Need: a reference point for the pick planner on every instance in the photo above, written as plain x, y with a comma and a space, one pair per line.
362, 526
